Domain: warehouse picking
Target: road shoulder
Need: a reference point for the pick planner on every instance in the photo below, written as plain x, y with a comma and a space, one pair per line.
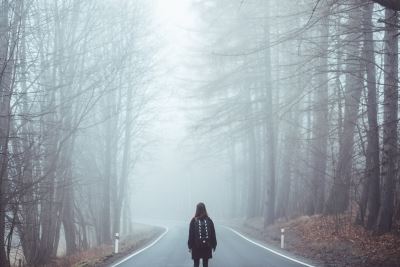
319, 239
103, 256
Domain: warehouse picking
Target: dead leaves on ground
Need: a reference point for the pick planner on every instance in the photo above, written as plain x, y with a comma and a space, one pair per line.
332, 241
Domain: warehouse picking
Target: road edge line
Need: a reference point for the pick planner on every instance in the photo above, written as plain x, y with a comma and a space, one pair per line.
270, 250
142, 249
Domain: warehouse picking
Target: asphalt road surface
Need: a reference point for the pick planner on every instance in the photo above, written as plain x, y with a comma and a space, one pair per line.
232, 250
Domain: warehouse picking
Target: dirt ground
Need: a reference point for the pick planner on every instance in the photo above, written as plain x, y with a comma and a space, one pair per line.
329, 241
104, 256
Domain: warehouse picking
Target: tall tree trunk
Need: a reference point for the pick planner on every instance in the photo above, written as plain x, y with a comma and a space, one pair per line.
106, 209
339, 195
68, 207
47, 185
269, 209
319, 143
370, 192
389, 155
6, 67
252, 166
70, 114
373, 131
126, 159
291, 88
110, 144
29, 228
286, 167
49, 207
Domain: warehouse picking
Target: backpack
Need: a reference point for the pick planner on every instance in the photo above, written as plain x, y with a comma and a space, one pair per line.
202, 233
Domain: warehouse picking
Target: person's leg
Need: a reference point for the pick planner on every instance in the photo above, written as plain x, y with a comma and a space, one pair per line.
196, 262
205, 262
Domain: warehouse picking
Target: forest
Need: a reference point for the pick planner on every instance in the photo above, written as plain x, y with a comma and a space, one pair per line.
308, 110
299, 98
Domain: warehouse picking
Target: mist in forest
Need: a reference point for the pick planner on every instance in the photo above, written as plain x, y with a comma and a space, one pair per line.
121, 111
177, 171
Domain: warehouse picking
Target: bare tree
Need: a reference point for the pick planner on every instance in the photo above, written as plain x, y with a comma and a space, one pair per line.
371, 187
339, 195
390, 134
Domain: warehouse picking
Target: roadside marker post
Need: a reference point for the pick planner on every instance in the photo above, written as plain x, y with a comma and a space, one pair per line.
283, 238
116, 237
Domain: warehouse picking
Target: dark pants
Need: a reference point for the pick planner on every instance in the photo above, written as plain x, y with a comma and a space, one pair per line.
197, 262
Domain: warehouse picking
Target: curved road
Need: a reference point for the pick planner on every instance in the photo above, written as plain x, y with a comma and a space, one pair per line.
232, 251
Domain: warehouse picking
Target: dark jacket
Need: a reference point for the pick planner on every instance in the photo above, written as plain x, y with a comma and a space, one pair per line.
198, 253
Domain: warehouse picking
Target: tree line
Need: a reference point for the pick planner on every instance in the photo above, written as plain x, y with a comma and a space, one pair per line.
303, 98
73, 99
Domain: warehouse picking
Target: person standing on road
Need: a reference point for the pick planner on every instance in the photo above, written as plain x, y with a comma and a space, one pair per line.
202, 236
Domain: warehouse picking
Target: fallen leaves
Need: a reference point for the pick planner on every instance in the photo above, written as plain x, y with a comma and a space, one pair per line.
333, 241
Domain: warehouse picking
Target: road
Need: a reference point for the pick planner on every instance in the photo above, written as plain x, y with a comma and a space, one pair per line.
232, 251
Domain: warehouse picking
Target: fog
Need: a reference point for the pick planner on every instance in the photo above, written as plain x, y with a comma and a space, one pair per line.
178, 171
120, 111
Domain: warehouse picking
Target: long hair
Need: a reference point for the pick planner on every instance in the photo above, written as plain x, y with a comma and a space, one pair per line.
201, 211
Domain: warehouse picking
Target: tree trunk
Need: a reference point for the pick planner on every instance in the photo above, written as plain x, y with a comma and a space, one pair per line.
68, 214
370, 193
5, 120
68, 219
106, 215
29, 228
252, 166
286, 169
339, 195
269, 209
319, 143
49, 208
389, 154
126, 159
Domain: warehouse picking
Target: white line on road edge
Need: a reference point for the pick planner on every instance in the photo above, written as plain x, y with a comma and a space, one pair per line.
271, 250
143, 249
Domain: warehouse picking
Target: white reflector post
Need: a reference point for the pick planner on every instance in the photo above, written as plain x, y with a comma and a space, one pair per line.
282, 238
116, 237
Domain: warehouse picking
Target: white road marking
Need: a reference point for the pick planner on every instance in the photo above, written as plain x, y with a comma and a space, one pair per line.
270, 250
143, 249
